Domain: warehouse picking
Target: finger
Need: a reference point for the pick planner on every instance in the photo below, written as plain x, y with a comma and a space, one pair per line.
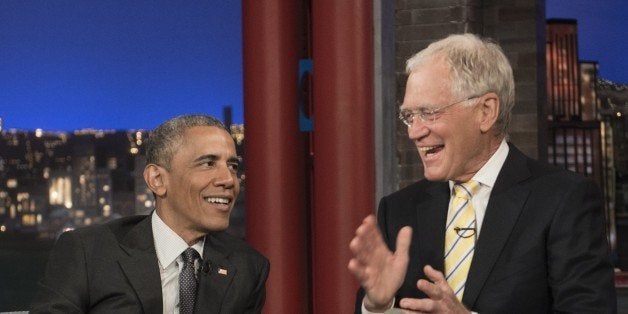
438, 286
360, 242
362, 248
363, 274
434, 275
421, 305
403, 240
368, 242
355, 267
370, 219
355, 245
358, 270
368, 228
367, 222
402, 311
430, 289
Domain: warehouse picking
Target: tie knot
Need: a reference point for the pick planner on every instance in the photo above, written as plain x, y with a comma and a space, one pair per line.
189, 255
467, 189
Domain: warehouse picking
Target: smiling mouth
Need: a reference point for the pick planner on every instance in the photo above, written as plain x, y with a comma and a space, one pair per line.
430, 149
218, 200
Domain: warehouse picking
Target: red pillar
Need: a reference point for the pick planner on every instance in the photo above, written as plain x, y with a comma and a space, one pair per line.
275, 198
344, 166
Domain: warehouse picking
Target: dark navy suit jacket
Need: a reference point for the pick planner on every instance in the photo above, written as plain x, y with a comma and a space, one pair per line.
113, 268
542, 247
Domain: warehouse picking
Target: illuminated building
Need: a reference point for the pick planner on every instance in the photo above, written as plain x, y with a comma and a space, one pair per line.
585, 126
55, 181
574, 130
80, 178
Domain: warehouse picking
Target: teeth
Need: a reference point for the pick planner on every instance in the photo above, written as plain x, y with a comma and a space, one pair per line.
218, 200
426, 148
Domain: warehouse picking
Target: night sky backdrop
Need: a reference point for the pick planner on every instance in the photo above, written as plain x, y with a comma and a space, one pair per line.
602, 33
119, 64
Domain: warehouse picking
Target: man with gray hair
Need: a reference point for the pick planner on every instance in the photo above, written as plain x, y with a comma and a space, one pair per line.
178, 259
488, 230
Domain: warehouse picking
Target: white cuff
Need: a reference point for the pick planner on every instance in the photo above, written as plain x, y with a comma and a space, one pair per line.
365, 311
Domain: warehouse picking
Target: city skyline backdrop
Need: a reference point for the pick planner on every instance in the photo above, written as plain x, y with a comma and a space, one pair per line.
67, 65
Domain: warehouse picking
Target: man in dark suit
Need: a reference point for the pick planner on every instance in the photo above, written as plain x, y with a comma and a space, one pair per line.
176, 260
489, 230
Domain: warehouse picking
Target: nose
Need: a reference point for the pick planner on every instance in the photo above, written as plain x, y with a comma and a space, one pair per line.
418, 129
225, 177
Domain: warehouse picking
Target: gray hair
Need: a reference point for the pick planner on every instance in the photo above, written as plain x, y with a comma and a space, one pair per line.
478, 66
164, 140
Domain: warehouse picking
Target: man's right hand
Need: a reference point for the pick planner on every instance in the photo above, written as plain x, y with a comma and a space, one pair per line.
380, 271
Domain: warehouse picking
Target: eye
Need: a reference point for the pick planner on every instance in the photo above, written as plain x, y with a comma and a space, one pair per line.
406, 115
427, 113
234, 166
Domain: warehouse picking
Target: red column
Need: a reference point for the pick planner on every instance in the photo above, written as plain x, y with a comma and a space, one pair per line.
275, 198
344, 166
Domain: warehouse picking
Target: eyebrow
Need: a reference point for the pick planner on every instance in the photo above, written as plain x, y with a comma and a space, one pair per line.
237, 159
418, 106
426, 107
213, 157
206, 157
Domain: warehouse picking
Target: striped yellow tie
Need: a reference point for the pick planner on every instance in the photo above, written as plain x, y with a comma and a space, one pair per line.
460, 236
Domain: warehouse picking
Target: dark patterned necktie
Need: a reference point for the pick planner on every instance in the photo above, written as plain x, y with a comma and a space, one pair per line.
187, 282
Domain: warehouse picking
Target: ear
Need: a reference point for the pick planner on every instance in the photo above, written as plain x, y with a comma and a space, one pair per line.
489, 109
155, 177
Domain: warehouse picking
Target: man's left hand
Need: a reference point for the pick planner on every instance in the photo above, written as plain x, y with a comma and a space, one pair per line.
441, 299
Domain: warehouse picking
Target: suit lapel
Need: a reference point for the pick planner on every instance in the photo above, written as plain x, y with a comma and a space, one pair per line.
215, 277
505, 204
432, 216
141, 267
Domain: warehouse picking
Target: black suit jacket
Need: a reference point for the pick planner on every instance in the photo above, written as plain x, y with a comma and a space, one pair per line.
542, 246
113, 268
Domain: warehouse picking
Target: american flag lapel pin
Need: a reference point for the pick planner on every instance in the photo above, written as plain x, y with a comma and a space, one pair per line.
222, 271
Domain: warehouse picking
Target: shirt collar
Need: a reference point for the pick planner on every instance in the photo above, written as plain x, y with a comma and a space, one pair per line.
168, 244
489, 172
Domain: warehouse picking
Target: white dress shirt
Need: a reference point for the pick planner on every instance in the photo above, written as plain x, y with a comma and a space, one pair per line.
486, 176
169, 247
